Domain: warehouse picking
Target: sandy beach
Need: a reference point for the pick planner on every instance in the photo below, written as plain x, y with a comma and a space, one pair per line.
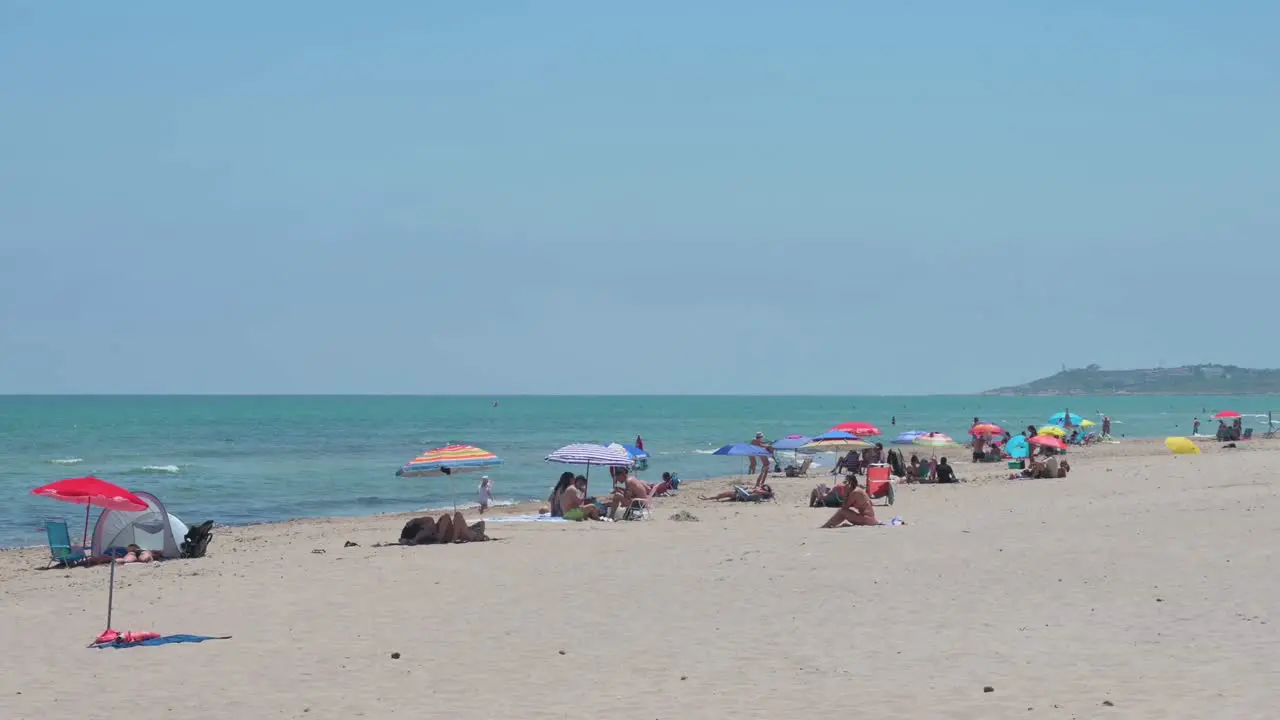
1139, 587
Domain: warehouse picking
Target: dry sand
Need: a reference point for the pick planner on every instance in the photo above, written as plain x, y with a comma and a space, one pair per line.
1144, 580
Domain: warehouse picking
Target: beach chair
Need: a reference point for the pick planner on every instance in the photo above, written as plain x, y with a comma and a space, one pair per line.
800, 470
61, 551
196, 542
1248, 434
879, 482
640, 509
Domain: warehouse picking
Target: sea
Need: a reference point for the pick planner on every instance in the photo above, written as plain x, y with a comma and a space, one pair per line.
250, 459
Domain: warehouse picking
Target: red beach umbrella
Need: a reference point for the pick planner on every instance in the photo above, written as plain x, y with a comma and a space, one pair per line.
1048, 441
91, 492
986, 429
1227, 415
861, 429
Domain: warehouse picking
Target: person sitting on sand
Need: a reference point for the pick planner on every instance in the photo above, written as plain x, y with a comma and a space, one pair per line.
574, 502
553, 502
856, 508
944, 473
742, 494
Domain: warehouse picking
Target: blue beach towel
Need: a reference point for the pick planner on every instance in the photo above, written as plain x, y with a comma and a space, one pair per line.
166, 640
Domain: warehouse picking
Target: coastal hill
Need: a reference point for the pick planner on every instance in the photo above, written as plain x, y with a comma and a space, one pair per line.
1185, 380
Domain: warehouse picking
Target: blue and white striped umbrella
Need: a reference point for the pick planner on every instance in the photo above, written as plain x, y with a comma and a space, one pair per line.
589, 454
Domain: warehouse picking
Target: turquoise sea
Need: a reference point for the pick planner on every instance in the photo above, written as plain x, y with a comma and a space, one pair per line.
251, 459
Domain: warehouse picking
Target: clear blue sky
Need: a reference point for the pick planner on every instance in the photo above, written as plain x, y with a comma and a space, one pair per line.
594, 197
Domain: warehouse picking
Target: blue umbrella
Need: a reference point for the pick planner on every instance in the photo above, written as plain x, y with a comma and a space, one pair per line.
744, 449
908, 437
1018, 447
835, 435
791, 442
632, 450
1060, 419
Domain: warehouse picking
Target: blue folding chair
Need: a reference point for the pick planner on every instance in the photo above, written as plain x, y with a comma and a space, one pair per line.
61, 551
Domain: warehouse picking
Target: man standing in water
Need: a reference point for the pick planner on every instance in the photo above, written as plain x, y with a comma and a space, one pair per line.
1195, 426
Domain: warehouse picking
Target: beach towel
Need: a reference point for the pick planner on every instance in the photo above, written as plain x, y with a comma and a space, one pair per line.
524, 518
113, 639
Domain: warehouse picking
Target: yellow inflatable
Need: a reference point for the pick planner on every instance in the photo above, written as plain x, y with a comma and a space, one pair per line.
1182, 446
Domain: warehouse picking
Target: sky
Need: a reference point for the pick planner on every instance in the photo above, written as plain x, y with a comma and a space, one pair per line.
564, 197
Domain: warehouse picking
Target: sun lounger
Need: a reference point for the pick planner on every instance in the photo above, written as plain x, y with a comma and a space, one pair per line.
61, 551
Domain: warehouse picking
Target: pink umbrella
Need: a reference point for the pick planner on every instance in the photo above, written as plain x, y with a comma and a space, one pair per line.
1048, 441
861, 429
91, 492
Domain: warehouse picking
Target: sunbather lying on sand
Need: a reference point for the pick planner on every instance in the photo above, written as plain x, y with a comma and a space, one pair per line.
741, 494
137, 554
447, 530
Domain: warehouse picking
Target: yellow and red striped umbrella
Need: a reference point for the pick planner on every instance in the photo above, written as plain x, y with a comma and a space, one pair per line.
449, 460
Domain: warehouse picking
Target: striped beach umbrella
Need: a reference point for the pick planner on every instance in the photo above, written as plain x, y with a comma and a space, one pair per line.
908, 437
835, 441
449, 460
935, 440
590, 454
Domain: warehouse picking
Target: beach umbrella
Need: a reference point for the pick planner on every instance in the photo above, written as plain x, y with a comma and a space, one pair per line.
791, 442
590, 454
1018, 447
908, 437
835, 441
1182, 446
1063, 418
935, 440
742, 449
1227, 415
639, 457
861, 429
986, 429
1048, 441
1087, 423
91, 492
1053, 430
449, 460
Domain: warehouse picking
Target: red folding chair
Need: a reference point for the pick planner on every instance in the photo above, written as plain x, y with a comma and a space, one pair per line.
879, 484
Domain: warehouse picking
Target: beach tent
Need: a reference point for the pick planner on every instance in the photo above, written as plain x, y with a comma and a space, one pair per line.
152, 529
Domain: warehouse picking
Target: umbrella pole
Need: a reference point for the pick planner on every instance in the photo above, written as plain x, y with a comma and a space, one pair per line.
85, 541
111, 592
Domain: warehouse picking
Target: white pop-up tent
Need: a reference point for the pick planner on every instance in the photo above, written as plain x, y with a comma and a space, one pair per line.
152, 529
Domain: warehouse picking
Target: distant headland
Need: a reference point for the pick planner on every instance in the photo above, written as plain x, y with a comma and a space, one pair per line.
1185, 380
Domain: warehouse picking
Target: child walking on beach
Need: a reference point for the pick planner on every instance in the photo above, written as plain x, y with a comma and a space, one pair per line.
486, 493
